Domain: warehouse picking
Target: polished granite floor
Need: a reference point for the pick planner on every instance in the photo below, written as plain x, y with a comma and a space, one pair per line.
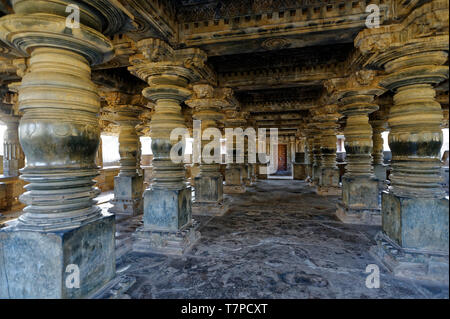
278, 240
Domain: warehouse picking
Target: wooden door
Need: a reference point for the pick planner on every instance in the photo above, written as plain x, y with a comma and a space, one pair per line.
282, 157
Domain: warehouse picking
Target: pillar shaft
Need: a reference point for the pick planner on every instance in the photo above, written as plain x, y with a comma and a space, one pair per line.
168, 201
128, 185
360, 193
414, 241
327, 117
59, 133
207, 104
13, 156
60, 192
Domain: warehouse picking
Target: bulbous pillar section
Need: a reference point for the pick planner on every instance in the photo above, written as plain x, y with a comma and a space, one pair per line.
59, 134
128, 185
360, 196
414, 242
207, 103
329, 173
234, 172
168, 224
13, 156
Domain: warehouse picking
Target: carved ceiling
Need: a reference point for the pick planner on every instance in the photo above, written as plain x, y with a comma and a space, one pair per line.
275, 54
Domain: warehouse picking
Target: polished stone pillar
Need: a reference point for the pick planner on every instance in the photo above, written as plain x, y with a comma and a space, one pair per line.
360, 200
207, 104
128, 185
329, 173
168, 225
414, 242
234, 173
309, 155
13, 157
379, 168
317, 157
61, 228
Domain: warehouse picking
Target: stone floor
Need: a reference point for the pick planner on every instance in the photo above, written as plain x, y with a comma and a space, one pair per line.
278, 240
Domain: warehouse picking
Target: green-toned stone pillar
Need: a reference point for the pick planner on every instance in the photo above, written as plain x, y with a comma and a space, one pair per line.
168, 225
207, 104
128, 185
329, 173
414, 242
61, 228
360, 200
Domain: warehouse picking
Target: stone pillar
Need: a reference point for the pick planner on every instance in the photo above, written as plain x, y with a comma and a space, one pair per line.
414, 241
99, 156
13, 157
300, 166
317, 157
360, 200
128, 185
379, 125
329, 173
207, 104
309, 156
59, 134
168, 225
234, 173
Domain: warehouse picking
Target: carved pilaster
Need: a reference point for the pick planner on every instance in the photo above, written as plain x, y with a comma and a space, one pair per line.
167, 203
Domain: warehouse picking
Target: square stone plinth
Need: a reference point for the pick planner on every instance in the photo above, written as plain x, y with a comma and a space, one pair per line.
299, 171
416, 223
360, 201
166, 242
209, 209
209, 189
167, 210
329, 182
46, 264
422, 265
127, 195
234, 189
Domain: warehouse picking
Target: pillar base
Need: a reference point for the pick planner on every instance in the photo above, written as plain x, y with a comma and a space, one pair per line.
44, 257
416, 223
358, 216
380, 173
235, 189
421, 265
329, 182
329, 191
209, 209
299, 171
127, 196
166, 242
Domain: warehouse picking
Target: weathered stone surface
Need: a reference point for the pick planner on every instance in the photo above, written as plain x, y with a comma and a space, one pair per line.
360, 201
128, 195
278, 240
34, 264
